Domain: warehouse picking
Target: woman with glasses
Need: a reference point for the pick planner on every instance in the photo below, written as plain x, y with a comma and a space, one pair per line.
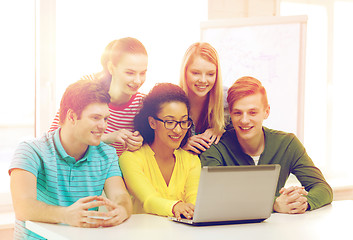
162, 177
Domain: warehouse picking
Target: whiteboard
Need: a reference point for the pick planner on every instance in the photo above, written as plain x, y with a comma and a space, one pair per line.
271, 49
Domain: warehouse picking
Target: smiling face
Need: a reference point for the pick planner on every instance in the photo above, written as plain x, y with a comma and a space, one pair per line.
247, 115
200, 76
128, 75
90, 126
169, 138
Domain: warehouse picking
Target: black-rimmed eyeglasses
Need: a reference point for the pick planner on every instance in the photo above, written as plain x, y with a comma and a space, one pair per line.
171, 124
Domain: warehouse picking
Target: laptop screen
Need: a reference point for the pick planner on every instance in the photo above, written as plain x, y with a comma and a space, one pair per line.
230, 193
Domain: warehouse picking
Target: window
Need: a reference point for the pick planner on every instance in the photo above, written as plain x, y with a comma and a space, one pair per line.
342, 85
83, 29
328, 85
316, 79
166, 29
17, 93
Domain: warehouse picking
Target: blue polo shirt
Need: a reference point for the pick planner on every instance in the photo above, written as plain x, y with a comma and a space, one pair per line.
61, 180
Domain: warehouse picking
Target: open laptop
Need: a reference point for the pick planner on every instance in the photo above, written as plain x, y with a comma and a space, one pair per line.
234, 194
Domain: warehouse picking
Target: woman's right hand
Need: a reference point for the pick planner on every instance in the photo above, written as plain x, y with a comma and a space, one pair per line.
198, 143
186, 209
201, 142
130, 140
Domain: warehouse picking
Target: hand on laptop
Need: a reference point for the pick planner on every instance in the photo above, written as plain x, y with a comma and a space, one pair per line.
186, 209
292, 200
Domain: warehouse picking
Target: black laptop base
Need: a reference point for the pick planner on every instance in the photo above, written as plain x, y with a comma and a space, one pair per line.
224, 222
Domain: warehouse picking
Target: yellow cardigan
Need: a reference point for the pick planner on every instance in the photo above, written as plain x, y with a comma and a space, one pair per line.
144, 180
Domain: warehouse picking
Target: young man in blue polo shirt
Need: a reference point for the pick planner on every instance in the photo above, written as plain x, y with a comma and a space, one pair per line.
248, 142
60, 177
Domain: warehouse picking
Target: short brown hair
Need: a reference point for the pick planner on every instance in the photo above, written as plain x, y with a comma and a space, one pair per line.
243, 87
79, 95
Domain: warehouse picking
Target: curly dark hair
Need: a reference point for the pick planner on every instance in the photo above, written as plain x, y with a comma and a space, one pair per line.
159, 94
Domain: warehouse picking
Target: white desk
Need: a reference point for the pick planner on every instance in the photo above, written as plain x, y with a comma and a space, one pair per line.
330, 222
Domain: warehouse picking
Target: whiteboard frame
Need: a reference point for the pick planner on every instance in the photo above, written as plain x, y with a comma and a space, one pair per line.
272, 20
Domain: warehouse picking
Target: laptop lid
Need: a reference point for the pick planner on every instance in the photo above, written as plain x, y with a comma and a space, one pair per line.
236, 193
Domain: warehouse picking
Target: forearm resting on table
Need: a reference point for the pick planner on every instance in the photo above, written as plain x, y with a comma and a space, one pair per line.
159, 206
24, 197
116, 192
123, 200
34, 210
319, 196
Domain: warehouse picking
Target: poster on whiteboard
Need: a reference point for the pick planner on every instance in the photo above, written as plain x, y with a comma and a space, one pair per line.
271, 49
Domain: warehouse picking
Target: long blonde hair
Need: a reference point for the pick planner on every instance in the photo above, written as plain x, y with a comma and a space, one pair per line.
214, 110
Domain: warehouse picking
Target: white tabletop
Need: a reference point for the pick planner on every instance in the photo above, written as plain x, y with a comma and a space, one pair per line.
329, 222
